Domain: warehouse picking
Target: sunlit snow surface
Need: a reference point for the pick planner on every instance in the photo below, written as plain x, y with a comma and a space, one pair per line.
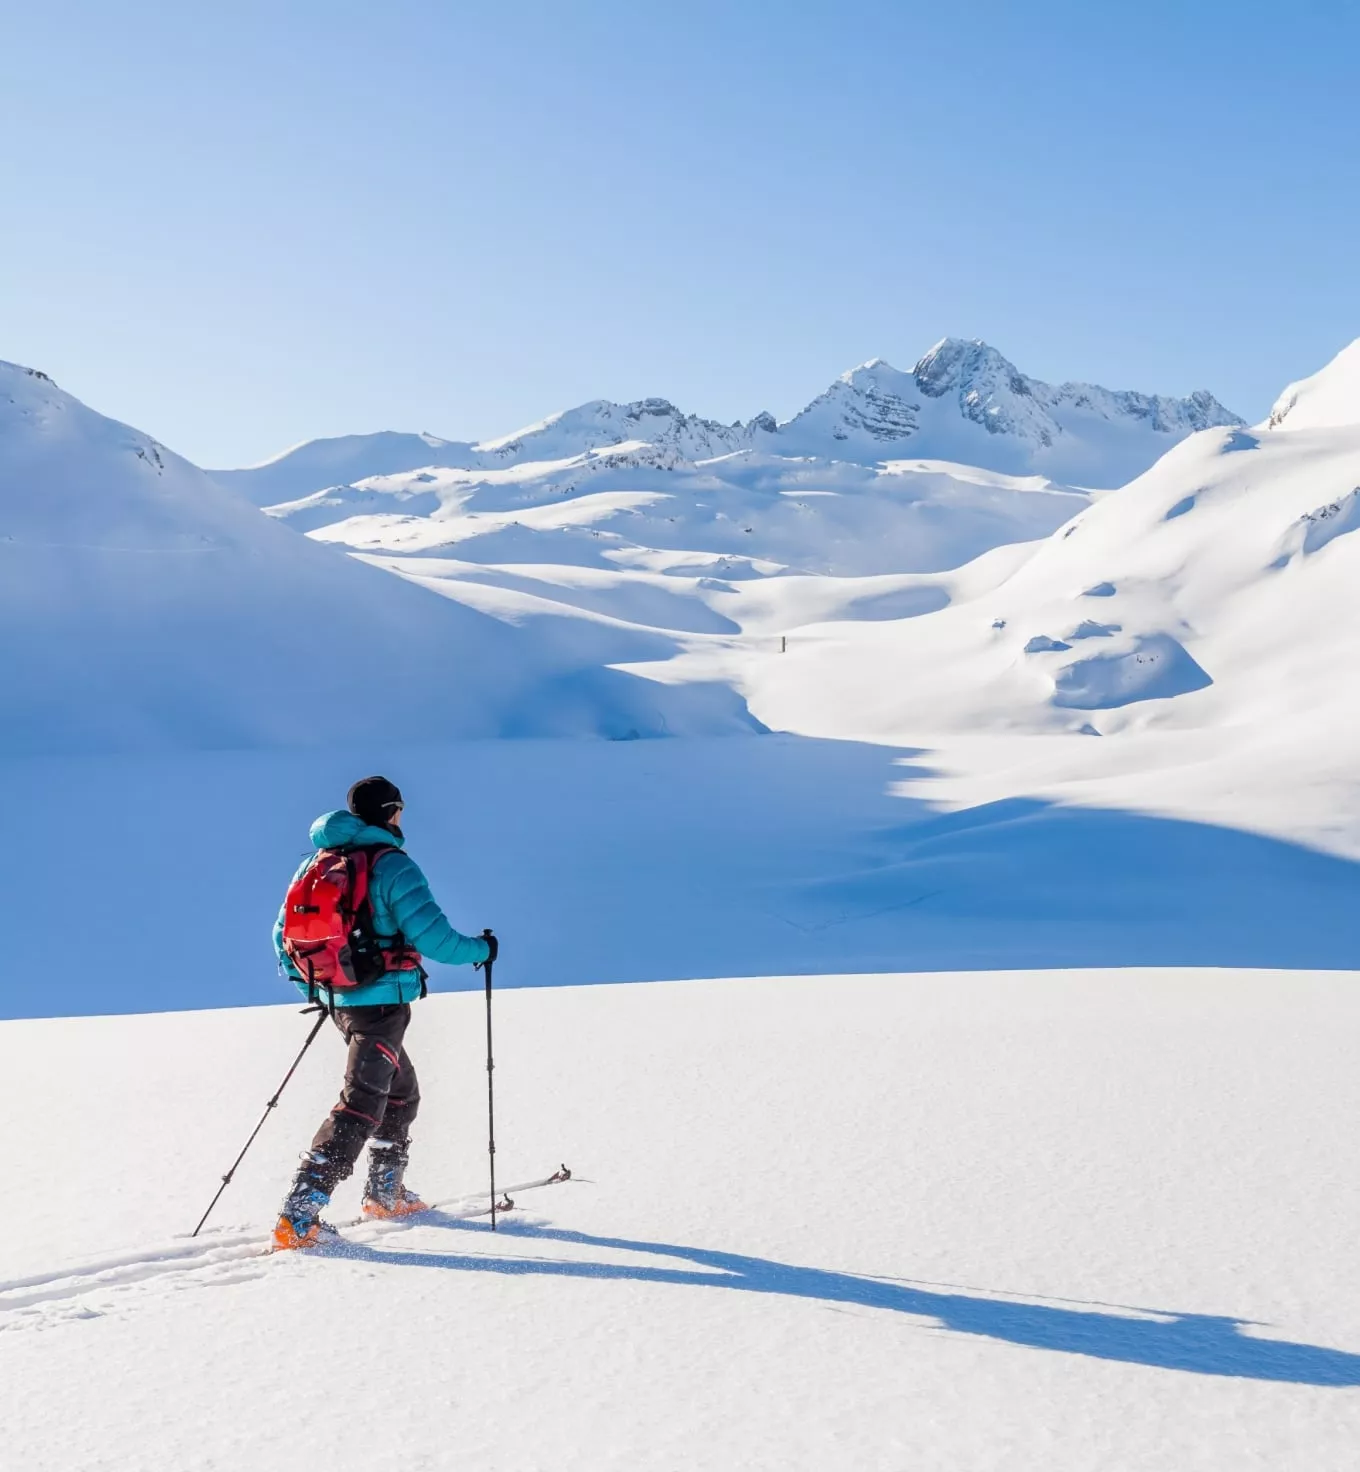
1042, 1221
1010, 1216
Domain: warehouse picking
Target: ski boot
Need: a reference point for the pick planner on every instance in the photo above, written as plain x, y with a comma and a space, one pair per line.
384, 1193
299, 1223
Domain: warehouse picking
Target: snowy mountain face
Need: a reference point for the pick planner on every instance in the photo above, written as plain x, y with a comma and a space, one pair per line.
144, 607
600, 424
320, 464
1203, 614
336, 461
1329, 399
624, 570
963, 401
641, 517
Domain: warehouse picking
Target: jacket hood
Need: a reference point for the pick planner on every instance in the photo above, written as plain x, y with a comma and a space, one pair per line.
343, 830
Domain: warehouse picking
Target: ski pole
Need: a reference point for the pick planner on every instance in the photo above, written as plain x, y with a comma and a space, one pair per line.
490, 1086
226, 1179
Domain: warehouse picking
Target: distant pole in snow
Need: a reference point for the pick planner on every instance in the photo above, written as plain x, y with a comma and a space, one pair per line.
322, 1014
783, 643
490, 1088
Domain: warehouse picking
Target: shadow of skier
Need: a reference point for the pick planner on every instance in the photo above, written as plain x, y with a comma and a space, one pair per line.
1201, 1344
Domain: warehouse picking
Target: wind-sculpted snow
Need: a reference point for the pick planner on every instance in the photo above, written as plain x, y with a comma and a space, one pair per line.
1154, 667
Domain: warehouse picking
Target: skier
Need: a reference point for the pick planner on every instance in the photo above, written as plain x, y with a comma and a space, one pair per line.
380, 1096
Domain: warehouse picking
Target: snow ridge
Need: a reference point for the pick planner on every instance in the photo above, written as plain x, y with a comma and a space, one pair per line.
1328, 399
962, 401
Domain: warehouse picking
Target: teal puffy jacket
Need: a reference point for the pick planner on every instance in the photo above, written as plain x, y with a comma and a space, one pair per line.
402, 905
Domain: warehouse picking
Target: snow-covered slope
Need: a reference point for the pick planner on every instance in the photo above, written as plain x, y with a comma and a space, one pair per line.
887, 474
670, 436
1041, 1222
609, 522
1328, 399
1214, 584
962, 402
338, 461
1204, 614
627, 507
144, 606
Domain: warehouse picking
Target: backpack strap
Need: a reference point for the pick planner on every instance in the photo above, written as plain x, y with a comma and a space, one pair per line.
375, 851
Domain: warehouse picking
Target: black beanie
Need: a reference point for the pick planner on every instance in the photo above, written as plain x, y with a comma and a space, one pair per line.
375, 800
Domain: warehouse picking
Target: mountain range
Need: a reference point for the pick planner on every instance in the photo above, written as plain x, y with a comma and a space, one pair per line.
963, 402
631, 570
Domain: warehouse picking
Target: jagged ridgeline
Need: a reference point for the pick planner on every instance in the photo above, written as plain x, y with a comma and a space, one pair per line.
963, 401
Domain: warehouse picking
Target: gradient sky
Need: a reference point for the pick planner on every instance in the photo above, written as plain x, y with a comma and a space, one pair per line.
245, 225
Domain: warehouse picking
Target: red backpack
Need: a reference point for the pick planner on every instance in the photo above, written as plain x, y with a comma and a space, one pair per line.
328, 923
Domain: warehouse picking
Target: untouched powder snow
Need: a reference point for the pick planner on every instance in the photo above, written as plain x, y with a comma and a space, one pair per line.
1042, 1221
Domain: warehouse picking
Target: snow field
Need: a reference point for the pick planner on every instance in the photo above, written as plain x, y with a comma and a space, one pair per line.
1041, 1220
648, 860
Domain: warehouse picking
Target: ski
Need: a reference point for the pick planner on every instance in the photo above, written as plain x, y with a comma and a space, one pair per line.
454, 1208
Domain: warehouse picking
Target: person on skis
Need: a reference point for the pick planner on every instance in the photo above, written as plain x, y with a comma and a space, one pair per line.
380, 1097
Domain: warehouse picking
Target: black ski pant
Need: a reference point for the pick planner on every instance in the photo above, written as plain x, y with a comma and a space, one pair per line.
380, 1097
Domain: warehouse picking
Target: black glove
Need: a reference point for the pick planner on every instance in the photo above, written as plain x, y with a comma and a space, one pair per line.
493, 945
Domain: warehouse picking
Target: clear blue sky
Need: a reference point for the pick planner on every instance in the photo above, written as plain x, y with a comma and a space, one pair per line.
238, 226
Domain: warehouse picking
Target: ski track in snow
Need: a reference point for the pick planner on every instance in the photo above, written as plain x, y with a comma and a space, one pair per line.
88, 1290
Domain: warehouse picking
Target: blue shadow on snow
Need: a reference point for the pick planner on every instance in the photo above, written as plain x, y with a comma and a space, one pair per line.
1200, 1344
